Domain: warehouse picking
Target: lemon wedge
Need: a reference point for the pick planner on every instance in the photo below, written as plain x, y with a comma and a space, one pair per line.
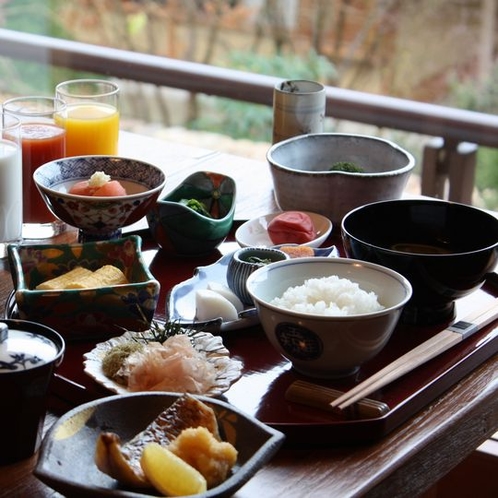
169, 474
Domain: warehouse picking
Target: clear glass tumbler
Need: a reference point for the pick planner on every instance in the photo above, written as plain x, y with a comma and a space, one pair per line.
10, 182
92, 116
43, 140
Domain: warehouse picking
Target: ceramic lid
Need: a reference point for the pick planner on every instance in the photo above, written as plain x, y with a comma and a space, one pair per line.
24, 349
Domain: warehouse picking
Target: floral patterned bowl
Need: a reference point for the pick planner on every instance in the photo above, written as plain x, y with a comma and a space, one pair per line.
99, 218
183, 230
84, 313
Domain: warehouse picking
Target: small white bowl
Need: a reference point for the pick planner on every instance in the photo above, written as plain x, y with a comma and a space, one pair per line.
254, 233
328, 346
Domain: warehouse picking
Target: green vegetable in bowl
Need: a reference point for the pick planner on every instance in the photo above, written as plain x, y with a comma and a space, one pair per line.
260, 261
197, 206
346, 166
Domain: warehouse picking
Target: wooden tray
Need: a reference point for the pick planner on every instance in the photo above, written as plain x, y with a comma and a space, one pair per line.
261, 390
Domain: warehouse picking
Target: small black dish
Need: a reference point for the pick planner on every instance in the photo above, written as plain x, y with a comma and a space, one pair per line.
444, 249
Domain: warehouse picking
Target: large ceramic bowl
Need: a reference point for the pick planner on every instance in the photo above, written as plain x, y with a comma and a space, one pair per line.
179, 229
84, 313
302, 180
99, 218
328, 346
444, 249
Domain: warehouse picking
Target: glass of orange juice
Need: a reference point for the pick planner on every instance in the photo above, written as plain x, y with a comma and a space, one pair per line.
91, 119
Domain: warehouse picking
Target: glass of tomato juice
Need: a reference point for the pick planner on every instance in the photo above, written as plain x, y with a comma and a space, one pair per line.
43, 139
91, 119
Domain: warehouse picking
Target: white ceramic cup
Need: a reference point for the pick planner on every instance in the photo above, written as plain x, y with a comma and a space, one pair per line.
298, 108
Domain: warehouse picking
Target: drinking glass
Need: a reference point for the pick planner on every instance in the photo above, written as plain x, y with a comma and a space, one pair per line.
91, 119
43, 140
298, 108
10, 182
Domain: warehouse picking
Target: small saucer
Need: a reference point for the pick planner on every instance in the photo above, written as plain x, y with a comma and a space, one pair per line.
181, 300
228, 369
254, 233
324, 252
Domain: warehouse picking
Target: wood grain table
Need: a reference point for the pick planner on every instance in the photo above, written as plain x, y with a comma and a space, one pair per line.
405, 462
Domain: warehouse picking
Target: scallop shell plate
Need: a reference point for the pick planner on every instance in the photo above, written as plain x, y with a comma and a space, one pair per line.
228, 370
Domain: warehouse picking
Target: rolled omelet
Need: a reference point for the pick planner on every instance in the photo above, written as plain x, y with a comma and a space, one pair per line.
82, 278
62, 281
103, 277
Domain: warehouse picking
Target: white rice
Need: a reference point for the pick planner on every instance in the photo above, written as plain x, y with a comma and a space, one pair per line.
329, 296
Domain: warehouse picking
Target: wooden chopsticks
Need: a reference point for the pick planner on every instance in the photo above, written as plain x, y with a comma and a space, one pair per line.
317, 396
421, 354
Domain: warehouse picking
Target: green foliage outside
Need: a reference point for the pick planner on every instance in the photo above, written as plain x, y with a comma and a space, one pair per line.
482, 97
234, 118
38, 18
33, 16
251, 121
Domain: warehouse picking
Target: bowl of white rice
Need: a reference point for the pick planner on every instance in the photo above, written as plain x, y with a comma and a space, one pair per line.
328, 316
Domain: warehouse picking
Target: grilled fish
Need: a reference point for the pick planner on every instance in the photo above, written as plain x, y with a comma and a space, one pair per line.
122, 461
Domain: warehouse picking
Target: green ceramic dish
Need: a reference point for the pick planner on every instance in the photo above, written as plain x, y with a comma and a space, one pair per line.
179, 229
84, 313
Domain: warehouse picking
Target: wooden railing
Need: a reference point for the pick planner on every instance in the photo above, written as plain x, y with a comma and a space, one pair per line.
451, 156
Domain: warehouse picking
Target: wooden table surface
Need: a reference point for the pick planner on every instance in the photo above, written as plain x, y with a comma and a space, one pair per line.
254, 197
406, 462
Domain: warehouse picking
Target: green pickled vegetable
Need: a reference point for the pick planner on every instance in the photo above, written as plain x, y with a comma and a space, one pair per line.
196, 206
346, 166
260, 261
163, 331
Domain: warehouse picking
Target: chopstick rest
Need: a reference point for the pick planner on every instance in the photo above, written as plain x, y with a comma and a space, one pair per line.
316, 396
429, 349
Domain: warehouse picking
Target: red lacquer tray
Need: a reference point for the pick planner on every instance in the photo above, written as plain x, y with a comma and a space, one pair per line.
261, 390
